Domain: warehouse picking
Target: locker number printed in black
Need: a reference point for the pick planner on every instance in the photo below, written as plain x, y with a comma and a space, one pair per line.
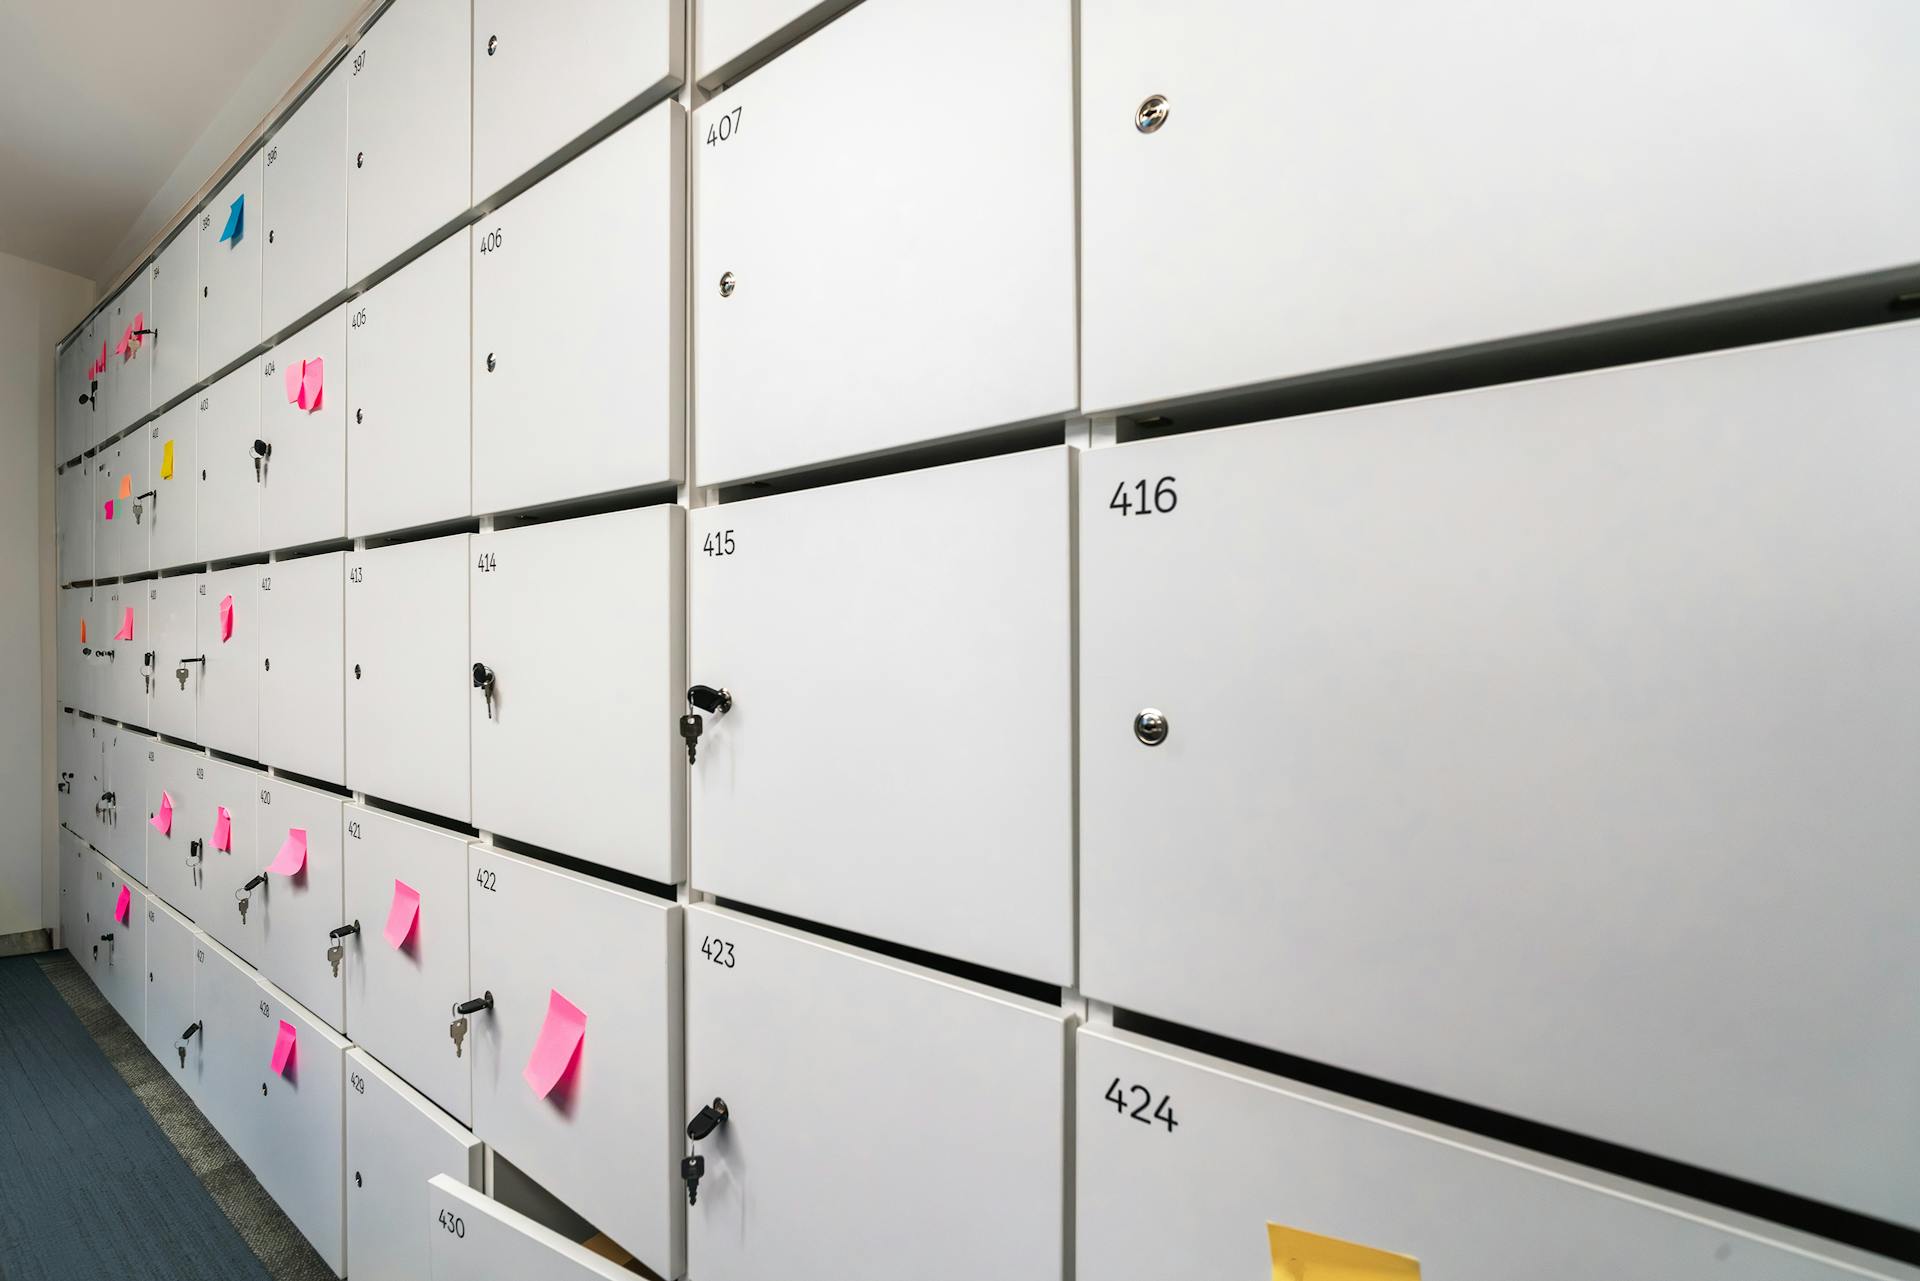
1140, 1098
485, 879
1164, 499
453, 1223
723, 128
719, 951
719, 543
486, 564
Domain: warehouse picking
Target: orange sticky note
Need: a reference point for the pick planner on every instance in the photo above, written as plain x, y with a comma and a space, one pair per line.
83, 631
1305, 1256
126, 487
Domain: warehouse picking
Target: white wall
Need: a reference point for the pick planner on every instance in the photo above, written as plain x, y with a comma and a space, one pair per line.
37, 307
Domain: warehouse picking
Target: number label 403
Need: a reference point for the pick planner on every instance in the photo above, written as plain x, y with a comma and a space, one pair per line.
1134, 1100
1130, 498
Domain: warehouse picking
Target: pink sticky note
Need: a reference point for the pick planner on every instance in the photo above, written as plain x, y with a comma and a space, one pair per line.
101, 364
139, 323
559, 1044
404, 912
222, 829
126, 626
293, 854
120, 348
295, 377
163, 821
226, 619
312, 382
122, 904
108, 508
283, 1046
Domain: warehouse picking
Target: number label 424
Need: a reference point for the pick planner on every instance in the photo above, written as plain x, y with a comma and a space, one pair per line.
1134, 1100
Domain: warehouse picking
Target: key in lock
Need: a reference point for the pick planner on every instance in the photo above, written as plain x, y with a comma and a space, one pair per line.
458, 1028
337, 949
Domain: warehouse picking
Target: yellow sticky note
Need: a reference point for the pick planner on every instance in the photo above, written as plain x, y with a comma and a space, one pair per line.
126, 487
166, 461
1303, 1256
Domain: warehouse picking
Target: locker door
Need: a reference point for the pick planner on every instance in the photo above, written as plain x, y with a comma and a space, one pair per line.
227, 509
123, 661
231, 228
169, 1012
1473, 657
100, 340
75, 542
174, 859
409, 441
608, 1137
67, 657
542, 79
303, 642
304, 498
862, 629
226, 1003
1266, 1150
178, 659
396, 1141
224, 874
471, 1237
76, 897
123, 957
93, 668
598, 243
399, 996
93, 780
614, 795
304, 261
302, 1121
96, 949
863, 321
175, 277
134, 492
408, 117
132, 369
106, 506
1423, 187
126, 753
70, 436
409, 679
175, 475
70, 746
732, 37
797, 1034
298, 908
230, 689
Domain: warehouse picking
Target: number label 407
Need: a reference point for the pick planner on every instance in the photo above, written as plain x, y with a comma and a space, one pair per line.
1134, 1100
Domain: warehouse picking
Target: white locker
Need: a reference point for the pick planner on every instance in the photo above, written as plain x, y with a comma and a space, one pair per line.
872, 636
1409, 656
409, 92
175, 480
304, 261
409, 879
301, 1123
133, 494
76, 898
66, 632
409, 440
302, 649
471, 1237
99, 385
231, 233
171, 942
126, 755
129, 355
733, 35
122, 971
93, 667
607, 1137
174, 855
396, 1141
303, 422
859, 290
1245, 1149
407, 675
107, 505
1232, 246
93, 782
178, 658
800, 1036
541, 596
225, 873
97, 937
230, 626
229, 1066
599, 243
301, 901
121, 650
70, 414
175, 277
69, 746
541, 78
76, 515
227, 507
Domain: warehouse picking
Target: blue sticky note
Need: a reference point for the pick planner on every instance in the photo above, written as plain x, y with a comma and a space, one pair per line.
236, 214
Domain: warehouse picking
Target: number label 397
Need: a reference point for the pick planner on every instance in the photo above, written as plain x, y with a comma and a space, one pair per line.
1134, 1100
1132, 498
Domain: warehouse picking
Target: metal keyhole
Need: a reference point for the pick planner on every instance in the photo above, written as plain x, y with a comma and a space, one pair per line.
726, 284
492, 42
1151, 115
356, 1179
359, 415
489, 362
205, 290
356, 671
269, 235
1150, 727
359, 159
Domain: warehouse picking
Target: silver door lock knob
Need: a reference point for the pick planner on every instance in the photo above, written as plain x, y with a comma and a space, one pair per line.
727, 283
1150, 727
1151, 114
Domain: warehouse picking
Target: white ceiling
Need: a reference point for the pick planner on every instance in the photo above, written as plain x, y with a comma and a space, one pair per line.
100, 101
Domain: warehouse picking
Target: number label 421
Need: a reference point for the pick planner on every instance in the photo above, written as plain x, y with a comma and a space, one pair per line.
1134, 1100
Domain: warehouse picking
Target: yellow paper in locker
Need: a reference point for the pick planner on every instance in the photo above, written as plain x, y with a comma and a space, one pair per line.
166, 461
1303, 1256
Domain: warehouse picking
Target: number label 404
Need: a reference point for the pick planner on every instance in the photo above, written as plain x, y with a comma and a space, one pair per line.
1134, 1100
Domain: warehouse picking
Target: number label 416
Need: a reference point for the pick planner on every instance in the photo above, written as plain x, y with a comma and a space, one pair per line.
1130, 497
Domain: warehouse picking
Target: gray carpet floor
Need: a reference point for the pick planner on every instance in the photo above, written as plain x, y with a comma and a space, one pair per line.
106, 1168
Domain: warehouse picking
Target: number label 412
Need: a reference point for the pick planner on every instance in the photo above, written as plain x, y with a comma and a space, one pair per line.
1134, 1100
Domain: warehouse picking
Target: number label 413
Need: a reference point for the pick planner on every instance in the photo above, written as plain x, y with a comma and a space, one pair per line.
1134, 1100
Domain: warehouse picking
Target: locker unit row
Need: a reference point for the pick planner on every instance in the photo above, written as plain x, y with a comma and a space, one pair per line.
395, 410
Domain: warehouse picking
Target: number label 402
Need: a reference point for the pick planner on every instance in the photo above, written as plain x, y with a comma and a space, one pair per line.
1134, 1100
1130, 498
